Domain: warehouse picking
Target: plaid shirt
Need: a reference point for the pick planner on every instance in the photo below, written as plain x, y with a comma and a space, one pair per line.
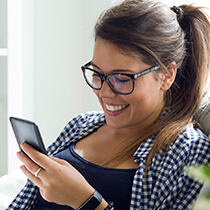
166, 185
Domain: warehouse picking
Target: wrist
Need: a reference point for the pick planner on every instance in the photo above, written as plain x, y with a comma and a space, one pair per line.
93, 202
102, 205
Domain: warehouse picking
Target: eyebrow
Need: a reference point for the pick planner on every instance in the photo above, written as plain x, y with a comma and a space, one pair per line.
115, 70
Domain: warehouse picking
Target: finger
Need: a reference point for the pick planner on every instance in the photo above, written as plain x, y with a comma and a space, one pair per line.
31, 176
29, 164
39, 158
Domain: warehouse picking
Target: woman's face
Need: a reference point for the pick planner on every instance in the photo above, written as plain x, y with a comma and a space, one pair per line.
143, 105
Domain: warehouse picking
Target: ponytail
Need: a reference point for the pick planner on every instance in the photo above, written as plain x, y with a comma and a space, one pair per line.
194, 71
192, 75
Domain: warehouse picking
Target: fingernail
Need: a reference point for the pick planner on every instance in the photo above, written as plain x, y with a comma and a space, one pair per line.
18, 154
22, 145
22, 168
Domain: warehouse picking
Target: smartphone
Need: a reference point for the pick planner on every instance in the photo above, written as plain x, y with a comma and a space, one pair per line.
28, 132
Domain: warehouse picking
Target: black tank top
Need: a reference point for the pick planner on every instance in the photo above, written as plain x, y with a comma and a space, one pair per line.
114, 184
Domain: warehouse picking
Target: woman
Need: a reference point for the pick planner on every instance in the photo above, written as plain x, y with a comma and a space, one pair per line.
149, 70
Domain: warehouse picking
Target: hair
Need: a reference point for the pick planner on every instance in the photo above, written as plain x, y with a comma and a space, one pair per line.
159, 35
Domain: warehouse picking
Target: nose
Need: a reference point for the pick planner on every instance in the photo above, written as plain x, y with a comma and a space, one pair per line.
106, 91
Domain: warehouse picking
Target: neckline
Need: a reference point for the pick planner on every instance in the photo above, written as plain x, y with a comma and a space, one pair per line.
72, 150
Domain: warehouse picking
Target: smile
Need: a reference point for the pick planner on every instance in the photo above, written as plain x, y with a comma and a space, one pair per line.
115, 108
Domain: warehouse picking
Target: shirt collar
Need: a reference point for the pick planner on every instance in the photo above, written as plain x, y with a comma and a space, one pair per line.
144, 149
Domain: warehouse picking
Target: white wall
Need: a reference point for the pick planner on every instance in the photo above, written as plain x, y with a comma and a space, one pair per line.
3, 85
14, 73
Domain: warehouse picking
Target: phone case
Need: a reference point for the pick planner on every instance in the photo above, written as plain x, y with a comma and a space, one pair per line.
28, 132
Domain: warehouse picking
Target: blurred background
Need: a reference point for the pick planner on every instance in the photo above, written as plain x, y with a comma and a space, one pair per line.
43, 43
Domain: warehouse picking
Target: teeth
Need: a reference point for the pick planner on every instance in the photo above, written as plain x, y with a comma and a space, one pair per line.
115, 108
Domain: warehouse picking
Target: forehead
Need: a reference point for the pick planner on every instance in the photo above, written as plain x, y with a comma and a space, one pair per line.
109, 56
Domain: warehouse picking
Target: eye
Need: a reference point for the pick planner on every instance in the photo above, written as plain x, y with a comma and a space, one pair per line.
95, 74
121, 78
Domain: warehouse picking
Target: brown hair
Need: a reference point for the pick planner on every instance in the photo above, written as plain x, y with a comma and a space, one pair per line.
160, 36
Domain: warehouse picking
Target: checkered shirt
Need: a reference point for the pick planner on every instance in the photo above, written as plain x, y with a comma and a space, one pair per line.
166, 185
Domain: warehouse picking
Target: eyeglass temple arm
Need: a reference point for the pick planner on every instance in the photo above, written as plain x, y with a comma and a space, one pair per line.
146, 71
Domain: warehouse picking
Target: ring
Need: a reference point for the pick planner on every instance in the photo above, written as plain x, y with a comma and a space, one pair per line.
37, 172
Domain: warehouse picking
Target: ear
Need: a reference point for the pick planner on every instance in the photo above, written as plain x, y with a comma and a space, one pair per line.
168, 76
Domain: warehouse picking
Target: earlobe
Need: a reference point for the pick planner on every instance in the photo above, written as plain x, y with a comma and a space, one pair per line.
169, 76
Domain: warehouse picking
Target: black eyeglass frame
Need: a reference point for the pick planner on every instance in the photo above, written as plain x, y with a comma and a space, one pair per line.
106, 78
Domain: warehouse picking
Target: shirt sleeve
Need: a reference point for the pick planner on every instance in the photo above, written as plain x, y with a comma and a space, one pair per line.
183, 195
199, 150
180, 189
25, 199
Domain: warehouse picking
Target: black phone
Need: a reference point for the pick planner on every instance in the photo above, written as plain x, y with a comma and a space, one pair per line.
28, 132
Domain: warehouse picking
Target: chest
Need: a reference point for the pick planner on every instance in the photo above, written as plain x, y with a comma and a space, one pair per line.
104, 153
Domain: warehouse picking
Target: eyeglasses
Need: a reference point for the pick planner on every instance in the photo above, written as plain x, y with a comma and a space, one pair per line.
119, 82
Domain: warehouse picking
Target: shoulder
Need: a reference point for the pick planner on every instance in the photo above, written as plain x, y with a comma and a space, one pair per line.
193, 146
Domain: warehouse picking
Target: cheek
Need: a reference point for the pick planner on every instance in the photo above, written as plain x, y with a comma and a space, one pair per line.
147, 91
149, 83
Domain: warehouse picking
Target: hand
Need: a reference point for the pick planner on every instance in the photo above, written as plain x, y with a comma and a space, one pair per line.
58, 181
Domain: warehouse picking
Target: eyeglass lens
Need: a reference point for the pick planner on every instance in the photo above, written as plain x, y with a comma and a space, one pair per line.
119, 83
